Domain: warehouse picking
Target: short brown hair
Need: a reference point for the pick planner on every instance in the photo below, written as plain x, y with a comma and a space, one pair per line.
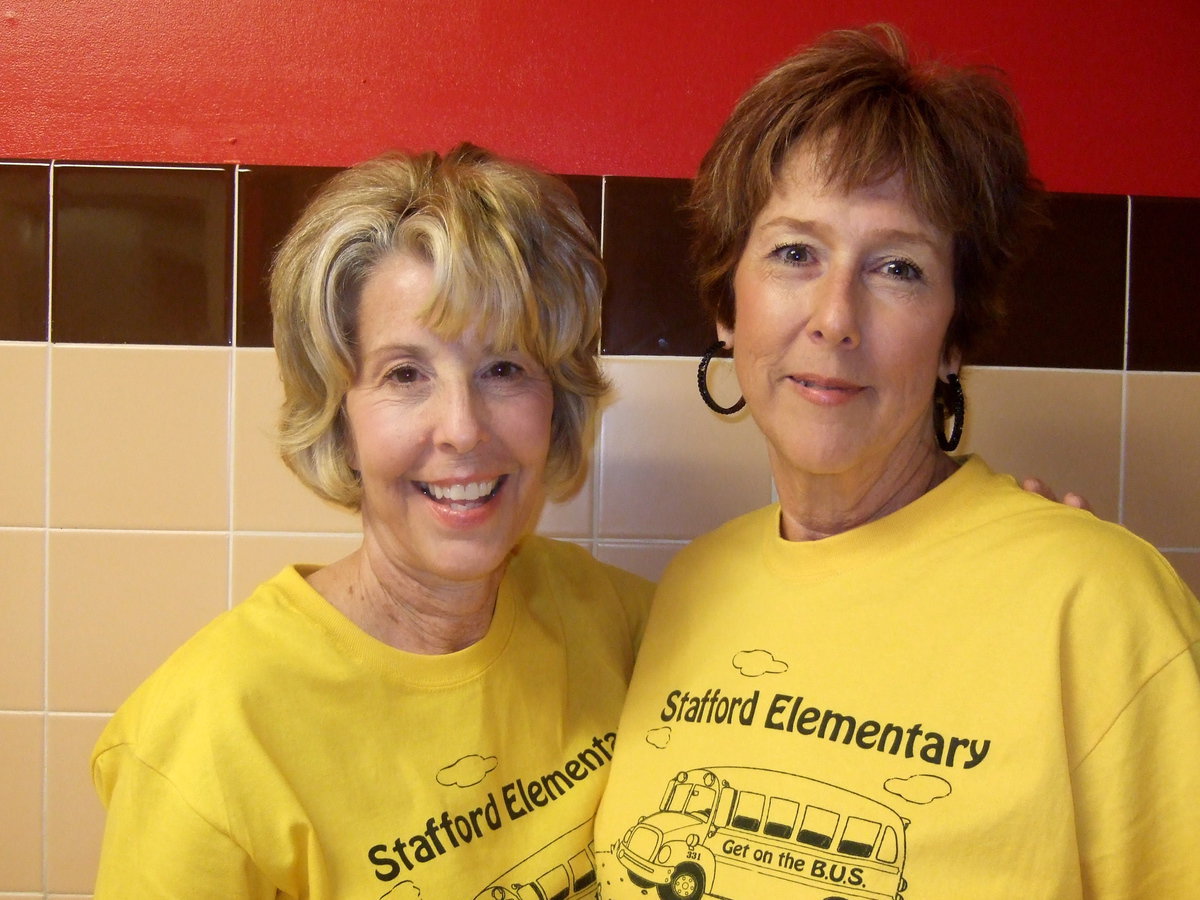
953, 134
510, 251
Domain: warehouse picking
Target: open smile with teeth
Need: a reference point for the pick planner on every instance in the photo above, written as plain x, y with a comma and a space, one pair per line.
462, 494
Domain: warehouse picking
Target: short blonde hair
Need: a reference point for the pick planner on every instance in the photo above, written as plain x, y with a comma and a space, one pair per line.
510, 252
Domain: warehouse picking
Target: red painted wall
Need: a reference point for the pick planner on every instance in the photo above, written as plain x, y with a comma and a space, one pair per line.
1109, 89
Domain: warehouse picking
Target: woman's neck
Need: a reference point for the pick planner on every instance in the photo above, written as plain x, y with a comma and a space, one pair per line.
819, 506
404, 612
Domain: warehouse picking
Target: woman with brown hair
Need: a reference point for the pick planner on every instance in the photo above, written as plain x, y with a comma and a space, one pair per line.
909, 676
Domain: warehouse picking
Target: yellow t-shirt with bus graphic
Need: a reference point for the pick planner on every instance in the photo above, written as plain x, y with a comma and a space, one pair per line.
283, 752
984, 695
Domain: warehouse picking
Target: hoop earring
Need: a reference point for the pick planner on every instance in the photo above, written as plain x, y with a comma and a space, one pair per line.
957, 406
702, 383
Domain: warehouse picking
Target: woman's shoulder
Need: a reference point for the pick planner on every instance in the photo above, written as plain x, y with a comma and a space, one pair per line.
738, 533
273, 609
576, 579
1101, 567
997, 499
215, 668
543, 557
725, 555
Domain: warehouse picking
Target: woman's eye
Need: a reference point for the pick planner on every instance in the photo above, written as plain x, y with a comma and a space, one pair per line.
796, 254
404, 374
903, 269
502, 369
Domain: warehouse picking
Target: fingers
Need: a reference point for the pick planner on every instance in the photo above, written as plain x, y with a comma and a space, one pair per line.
1077, 500
1037, 486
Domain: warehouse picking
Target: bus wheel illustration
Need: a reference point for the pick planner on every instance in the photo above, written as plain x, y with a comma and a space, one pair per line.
687, 883
638, 880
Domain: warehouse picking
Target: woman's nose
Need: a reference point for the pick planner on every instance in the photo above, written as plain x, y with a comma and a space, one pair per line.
834, 320
459, 419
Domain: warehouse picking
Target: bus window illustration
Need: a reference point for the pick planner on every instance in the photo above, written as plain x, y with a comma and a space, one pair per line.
740, 832
560, 871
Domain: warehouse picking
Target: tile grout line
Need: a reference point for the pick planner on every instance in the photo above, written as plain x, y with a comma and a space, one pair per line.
46, 436
145, 167
65, 713
598, 469
251, 532
1123, 444
231, 405
598, 466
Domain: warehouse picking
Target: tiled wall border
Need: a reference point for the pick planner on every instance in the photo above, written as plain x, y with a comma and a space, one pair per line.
177, 255
1106, 316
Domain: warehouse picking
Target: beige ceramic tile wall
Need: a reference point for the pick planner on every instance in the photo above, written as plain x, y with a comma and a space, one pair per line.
166, 504
139, 437
671, 468
23, 449
1062, 426
1162, 483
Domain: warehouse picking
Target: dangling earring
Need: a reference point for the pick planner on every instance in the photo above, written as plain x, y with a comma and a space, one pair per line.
702, 383
955, 404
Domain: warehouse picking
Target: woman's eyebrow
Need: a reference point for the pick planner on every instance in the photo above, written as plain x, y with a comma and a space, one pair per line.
396, 350
904, 236
790, 223
385, 353
890, 235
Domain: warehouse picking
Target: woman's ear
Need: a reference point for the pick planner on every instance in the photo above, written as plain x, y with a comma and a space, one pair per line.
951, 363
349, 451
725, 335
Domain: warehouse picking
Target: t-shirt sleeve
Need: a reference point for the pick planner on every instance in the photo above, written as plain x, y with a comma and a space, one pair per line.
157, 846
635, 594
1137, 793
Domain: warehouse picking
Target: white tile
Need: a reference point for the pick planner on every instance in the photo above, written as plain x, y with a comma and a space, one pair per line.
1059, 425
23, 449
266, 495
570, 515
646, 558
139, 437
669, 467
1162, 458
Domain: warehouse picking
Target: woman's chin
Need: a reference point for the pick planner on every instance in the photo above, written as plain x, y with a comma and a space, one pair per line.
815, 459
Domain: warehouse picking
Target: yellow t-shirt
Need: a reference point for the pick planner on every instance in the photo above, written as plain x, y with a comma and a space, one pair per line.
282, 752
983, 696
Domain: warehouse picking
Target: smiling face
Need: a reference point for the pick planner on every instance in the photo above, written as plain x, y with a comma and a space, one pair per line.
842, 305
450, 437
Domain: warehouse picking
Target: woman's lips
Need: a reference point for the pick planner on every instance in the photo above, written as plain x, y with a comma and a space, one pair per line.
825, 391
461, 495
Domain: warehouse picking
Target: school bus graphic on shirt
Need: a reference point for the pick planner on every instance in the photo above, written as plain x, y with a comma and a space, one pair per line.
565, 869
744, 833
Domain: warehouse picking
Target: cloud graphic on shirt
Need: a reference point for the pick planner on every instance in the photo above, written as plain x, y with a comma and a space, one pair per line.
753, 663
405, 890
918, 788
658, 737
466, 772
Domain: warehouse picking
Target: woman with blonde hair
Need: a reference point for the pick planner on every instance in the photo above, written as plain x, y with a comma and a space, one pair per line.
439, 706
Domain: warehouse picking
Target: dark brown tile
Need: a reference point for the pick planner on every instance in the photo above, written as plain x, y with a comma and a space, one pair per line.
589, 191
24, 214
1066, 308
142, 255
651, 308
1164, 285
270, 200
